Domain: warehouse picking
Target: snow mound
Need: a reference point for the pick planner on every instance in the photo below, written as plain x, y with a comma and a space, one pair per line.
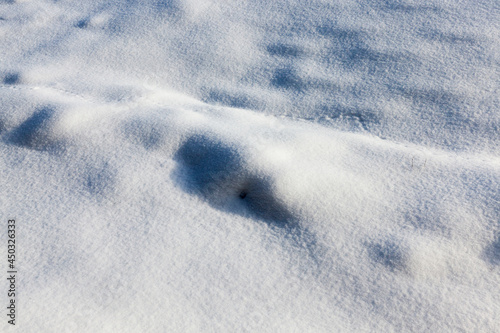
264, 167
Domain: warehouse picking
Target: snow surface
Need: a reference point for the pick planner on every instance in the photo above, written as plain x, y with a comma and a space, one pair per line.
252, 166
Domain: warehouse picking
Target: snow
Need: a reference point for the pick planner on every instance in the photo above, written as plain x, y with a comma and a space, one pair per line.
252, 166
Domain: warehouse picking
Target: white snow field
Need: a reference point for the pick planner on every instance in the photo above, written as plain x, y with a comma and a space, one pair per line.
251, 166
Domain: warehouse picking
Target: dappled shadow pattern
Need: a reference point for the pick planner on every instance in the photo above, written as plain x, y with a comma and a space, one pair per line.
227, 99
36, 132
284, 50
492, 252
408, 8
287, 78
353, 50
82, 24
99, 181
143, 133
171, 9
12, 78
390, 254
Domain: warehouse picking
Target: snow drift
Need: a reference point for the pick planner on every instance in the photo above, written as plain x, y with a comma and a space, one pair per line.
252, 166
